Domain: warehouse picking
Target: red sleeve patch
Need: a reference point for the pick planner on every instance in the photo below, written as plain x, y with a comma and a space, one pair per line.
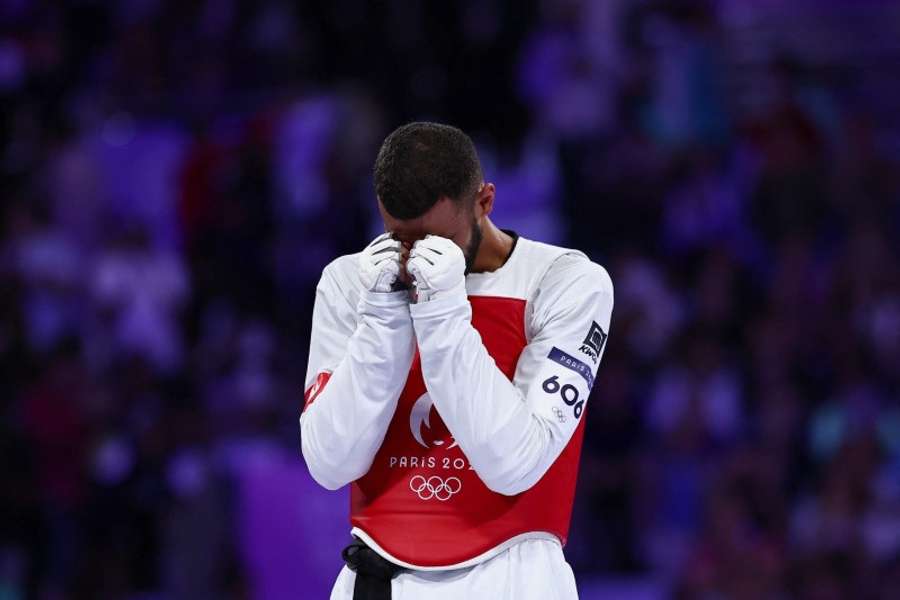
316, 388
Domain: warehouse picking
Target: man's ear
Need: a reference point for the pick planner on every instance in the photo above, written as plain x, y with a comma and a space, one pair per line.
484, 200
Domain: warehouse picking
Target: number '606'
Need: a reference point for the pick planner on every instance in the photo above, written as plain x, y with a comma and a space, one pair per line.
568, 393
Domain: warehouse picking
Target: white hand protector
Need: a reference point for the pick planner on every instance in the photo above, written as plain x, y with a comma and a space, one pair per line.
379, 264
438, 266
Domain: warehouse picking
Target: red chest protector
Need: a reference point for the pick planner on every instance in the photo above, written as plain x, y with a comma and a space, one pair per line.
423, 503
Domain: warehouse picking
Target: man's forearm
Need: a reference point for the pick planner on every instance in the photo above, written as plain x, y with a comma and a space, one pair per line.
343, 427
507, 445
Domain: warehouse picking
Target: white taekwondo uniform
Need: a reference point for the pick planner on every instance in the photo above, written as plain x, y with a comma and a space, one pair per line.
458, 422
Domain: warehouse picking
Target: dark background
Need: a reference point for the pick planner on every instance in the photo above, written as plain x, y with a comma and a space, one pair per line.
174, 176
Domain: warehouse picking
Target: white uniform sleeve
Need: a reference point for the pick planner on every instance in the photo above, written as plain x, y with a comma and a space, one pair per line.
512, 432
359, 360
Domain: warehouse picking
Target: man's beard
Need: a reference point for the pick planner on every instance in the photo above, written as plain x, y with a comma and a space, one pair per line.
474, 244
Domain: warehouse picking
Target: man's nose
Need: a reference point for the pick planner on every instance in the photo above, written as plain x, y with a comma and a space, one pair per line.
407, 240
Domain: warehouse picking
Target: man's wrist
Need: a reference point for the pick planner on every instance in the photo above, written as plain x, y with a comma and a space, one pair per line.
425, 294
441, 303
396, 299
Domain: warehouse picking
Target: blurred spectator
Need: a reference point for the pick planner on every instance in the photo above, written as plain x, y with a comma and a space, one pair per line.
138, 292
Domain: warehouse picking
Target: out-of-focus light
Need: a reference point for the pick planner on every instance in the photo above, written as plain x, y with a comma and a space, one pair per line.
113, 461
187, 474
12, 67
118, 130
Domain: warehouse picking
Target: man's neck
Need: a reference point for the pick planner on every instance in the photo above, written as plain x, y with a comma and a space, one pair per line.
496, 246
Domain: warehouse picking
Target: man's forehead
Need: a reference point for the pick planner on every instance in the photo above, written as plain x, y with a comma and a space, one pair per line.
440, 219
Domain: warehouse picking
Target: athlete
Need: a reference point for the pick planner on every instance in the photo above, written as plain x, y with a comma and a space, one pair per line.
449, 369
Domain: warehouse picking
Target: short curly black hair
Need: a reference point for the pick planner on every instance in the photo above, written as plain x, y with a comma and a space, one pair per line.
421, 162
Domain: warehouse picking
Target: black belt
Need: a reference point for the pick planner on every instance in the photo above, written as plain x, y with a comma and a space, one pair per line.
373, 573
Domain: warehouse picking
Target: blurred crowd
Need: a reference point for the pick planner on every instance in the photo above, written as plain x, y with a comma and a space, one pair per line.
175, 175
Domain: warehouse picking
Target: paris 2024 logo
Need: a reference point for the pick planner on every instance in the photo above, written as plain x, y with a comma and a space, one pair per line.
429, 431
421, 417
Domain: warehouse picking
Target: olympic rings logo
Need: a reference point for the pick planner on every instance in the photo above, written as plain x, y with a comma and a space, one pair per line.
559, 414
435, 487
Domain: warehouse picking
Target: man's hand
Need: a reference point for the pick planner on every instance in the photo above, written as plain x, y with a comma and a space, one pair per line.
437, 265
380, 264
